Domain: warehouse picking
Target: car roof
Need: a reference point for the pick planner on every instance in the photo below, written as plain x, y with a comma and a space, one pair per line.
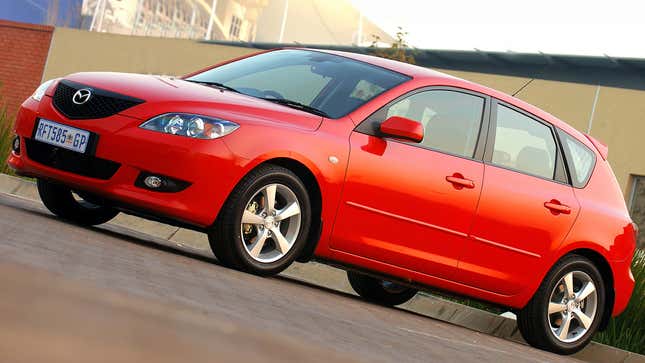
400, 67
431, 77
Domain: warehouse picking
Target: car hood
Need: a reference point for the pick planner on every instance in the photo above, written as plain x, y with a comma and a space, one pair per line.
168, 94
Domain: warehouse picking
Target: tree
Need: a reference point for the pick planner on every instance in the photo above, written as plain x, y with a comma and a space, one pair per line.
399, 50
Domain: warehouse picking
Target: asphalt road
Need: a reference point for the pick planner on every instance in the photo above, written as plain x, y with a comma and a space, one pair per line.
109, 294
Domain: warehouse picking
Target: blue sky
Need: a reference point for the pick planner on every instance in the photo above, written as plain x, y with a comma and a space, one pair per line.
35, 11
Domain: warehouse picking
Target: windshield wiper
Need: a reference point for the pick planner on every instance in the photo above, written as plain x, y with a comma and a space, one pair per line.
282, 101
215, 84
298, 105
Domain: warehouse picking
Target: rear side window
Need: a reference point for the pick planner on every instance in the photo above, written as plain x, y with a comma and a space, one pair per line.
580, 158
523, 144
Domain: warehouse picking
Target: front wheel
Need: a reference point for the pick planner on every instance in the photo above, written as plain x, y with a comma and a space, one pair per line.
75, 207
567, 308
379, 291
264, 224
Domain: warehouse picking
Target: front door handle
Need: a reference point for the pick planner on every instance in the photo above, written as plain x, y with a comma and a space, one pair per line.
459, 181
557, 207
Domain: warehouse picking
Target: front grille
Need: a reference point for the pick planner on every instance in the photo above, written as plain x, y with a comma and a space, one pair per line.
101, 104
70, 161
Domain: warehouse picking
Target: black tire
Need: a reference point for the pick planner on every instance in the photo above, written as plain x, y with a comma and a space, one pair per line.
60, 201
533, 321
377, 291
225, 236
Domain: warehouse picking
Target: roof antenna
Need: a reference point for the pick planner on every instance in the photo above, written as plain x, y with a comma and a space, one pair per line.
524, 86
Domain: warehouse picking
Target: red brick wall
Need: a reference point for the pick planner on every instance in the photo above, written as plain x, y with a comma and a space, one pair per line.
23, 53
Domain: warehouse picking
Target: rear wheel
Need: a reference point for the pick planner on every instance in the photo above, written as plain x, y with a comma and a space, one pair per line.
76, 207
566, 311
379, 291
264, 224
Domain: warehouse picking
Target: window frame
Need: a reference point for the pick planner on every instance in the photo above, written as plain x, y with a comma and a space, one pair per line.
235, 27
560, 175
632, 198
370, 125
632, 190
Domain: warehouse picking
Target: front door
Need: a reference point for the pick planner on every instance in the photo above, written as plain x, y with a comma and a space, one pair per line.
412, 205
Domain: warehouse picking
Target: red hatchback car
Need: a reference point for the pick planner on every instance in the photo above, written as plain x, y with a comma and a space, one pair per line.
406, 177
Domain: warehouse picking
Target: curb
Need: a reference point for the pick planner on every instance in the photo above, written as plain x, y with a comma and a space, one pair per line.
335, 279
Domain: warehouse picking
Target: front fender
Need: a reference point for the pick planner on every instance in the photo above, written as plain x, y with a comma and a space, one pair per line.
324, 152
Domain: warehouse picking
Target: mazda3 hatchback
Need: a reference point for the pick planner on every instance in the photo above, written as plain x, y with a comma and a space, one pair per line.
406, 177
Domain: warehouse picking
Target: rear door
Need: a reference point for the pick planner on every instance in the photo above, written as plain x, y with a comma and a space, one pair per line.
526, 208
399, 205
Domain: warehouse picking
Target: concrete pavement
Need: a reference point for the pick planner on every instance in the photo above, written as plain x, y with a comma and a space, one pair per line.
114, 294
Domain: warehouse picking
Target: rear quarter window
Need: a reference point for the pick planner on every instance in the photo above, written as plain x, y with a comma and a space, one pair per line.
580, 159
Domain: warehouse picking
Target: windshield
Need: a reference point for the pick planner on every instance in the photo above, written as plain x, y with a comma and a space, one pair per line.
313, 81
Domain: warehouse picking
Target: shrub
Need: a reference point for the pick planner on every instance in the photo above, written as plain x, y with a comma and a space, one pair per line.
6, 136
628, 330
399, 50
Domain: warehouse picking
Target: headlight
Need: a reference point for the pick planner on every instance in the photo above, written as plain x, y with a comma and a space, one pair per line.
40, 91
185, 124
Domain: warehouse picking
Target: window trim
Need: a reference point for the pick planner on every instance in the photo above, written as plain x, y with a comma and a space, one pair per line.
635, 178
560, 175
369, 126
632, 190
236, 27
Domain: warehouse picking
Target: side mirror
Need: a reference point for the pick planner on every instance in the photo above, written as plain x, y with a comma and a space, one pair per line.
402, 128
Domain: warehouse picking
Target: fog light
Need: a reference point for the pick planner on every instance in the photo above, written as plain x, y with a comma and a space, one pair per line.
153, 181
16, 145
160, 183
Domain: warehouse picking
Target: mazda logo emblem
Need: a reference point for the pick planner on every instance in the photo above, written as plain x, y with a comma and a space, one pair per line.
82, 96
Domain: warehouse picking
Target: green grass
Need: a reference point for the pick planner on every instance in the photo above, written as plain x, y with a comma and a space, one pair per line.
628, 330
477, 304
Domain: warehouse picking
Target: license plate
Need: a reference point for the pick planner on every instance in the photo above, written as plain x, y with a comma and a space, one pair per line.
64, 136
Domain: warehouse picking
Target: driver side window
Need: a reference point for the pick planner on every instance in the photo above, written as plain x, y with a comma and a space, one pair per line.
451, 120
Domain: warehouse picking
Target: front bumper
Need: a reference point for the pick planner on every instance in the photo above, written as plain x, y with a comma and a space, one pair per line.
208, 165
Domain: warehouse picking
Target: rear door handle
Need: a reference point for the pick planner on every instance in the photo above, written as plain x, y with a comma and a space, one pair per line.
458, 180
557, 207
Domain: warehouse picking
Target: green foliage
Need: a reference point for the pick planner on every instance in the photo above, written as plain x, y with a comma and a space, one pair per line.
477, 304
628, 330
6, 136
399, 50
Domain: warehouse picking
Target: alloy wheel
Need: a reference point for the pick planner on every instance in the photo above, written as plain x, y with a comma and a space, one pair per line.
270, 223
572, 306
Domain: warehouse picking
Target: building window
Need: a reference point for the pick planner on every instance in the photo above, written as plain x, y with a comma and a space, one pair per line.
637, 206
236, 25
